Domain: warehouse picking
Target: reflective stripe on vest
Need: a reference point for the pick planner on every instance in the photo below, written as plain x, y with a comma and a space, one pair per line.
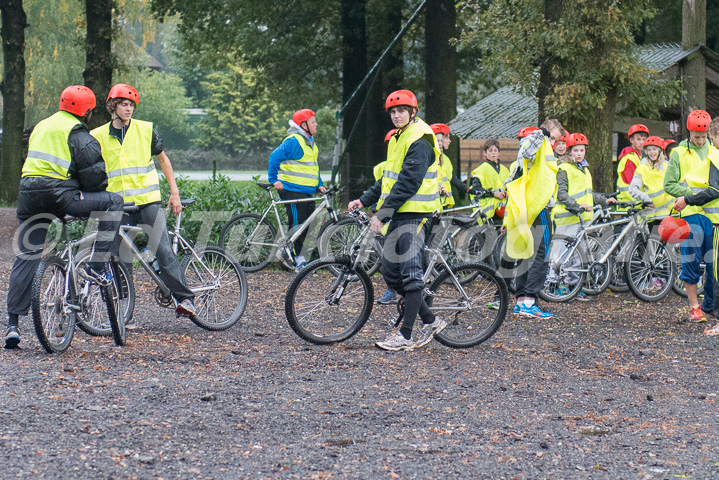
130, 169
303, 171
426, 200
698, 179
579, 189
48, 151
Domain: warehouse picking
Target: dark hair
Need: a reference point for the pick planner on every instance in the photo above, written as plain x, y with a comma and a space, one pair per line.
492, 142
713, 128
111, 104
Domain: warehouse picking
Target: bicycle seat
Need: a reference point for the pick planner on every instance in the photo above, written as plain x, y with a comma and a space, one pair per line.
188, 202
463, 220
266, 186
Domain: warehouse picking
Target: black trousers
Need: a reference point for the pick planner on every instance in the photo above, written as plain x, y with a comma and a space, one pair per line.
33, 223
297, 213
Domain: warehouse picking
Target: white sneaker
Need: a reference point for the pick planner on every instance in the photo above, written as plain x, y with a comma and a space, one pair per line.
429, 330
396, 342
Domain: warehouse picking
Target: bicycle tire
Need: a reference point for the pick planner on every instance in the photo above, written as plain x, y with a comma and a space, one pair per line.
474, 243
312, 315
498, 252
219, 283
594, 285
486, 287
678, 285
95, 323
339, 237
235, 235
51, 321
117, 322
648, 261
618, 282
553, 290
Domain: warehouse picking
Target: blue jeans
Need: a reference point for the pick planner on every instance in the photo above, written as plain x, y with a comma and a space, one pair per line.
695, 249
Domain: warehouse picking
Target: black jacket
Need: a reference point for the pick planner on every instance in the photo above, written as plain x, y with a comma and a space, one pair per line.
708, 194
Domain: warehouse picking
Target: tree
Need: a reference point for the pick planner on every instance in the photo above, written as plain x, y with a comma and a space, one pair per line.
596, 65
694, 32
99, 60
440, 61
14, 23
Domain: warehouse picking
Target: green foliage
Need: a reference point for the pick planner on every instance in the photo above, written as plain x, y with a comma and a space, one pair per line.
591, 48
242, 114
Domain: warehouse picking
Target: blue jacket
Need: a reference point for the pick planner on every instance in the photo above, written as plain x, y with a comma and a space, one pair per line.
290, 149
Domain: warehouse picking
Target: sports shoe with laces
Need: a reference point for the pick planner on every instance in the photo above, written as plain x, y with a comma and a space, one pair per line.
429, 330
582, 297
389, 298
494, 304
696, 315
12, 337
300, 266
185, 308
712, 332
534, 311
396, 342
516, 310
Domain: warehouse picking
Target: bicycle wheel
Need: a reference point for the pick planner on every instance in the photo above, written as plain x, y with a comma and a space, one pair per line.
54, 321
249, 238
678, 285
511, 271
337, 240
324, 307
93, 320
220, 287
470, 321
474, 243
117, 322
649, 270
599, 274
618, 281
565, 283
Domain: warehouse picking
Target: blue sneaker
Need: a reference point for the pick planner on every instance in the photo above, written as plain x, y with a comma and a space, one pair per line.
534, 311
516, 310
103, 278
389, 298
300, 266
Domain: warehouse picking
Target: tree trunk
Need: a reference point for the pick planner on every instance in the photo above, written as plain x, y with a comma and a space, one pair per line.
391, 75
14, 23
599, 131
354, 68
98, 55
552, 13
440, 61
694, 33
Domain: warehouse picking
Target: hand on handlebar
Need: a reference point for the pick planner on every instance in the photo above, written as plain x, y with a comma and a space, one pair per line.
375, 225
321, 189
354, 204
611, 201
585, 207
278, 185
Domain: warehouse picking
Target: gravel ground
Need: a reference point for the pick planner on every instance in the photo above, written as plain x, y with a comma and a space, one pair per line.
610, 388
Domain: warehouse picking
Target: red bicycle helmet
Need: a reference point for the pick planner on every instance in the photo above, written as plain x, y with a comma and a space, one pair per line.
77, 99
674, 230
302, 115
654, 141
526, 131
388, 137
638, 128
122, 90
440, 128
499, 213
698, 121
577, 139
401, 97
668, 142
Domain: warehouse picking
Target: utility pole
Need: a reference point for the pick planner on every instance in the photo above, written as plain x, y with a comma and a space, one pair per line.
694, 33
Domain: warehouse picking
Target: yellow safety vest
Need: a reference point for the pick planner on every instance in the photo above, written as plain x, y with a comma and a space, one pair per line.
622, 187
426, 200
447, 170
698, 180
580, 190
378, 169
304, 171
130, 169
528, 195
490, 178
653, 185
48, 152
689, 162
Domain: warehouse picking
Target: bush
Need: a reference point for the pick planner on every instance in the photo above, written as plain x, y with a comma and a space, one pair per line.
201, 160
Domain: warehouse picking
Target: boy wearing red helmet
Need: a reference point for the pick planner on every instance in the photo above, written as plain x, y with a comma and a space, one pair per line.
408, 195
488, 180
128, 146
686, 179
629, 160
64, 174
295, 173
575, 196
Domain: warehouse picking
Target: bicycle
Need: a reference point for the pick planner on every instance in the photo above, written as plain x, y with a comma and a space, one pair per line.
213, 274
649, 269
253, 238
324, 307
63, 295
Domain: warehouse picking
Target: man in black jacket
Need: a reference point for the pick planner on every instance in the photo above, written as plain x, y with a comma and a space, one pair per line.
64, 174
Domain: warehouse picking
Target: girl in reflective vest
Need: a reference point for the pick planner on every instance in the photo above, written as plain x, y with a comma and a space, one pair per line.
648, 182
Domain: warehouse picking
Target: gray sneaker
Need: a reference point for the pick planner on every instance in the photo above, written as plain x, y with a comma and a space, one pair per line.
429, 330
185, 308
396, 342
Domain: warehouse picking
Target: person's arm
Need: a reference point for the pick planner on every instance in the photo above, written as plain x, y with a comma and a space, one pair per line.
672, 178
372, 194
290, 149
87, 165
174, 200
563, 193
635, 190
419, 157
708, 194
531, 145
